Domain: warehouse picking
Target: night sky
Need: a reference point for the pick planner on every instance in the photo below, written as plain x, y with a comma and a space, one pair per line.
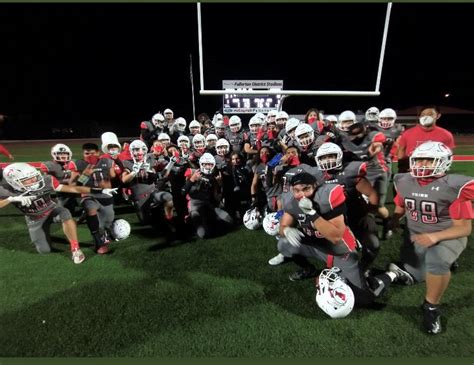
118, 64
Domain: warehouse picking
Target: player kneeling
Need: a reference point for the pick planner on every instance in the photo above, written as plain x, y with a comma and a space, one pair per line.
30, 192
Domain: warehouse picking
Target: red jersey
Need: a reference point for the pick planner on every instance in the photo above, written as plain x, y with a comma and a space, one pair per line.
413, 137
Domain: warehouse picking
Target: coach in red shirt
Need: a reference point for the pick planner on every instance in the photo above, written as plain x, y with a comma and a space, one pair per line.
426, 130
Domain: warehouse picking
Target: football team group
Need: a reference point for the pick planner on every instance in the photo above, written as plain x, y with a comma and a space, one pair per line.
319, 185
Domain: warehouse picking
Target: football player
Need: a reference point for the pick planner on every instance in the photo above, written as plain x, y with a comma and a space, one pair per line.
30, 192
438, 212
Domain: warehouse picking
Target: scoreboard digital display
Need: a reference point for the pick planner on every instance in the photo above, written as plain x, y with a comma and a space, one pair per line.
235, 103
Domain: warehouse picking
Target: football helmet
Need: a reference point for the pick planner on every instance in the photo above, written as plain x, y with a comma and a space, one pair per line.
440, 154
158, 120
220, 128
138, 150
331, 119
23, 177
235, 123
180, 124
327, 149
168, 114
207, 159
345, 120
271, 223
222, 147
304, 134
59, 150
281, 118
120, 229
165, 140
254, 124
217, 117
291, 124
252, 219
211, 140
183, 142
271, 116
199, 142
261, 116
195, 127
333, 295
387, 118
372, 114
109, 138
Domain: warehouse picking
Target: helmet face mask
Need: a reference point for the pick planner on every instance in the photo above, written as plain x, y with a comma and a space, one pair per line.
164, 139
199, 142
222, 147
138, 150
430, 159
23, 177
207, 162
61, 153
183, 142
158, 120
372, 114
235, 124
329, 157
333, 295
304, 135
252, 219
211, 141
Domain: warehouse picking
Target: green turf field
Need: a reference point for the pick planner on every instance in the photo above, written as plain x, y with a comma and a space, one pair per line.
205, 298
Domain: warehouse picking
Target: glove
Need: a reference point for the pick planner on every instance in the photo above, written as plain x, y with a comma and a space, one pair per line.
25, 201
146, 166
293, 235
109, 192
306, 205
136, 167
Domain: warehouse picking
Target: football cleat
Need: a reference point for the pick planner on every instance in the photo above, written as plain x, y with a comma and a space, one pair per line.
403, 277
431, 318
77, 256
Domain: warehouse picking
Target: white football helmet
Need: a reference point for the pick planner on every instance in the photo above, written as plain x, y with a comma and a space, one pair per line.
271, 115
217, 117
235, 123
440, 154
333, 295
61, 149
120, 229
138, 150
254, 124
23, 177
372, 114
271, 223
183, 142
345, 120
220, 128
222, 147
158, 120
261, 116
207, 159
165, 139
291, 125
327, 149
387, 118
252, 219
211, 140
281, 118
331, 119
168, 114
199, 142
180, 124
109, 138
304, 134
195, 127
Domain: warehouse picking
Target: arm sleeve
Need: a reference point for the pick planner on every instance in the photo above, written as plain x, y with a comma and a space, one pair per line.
461, 210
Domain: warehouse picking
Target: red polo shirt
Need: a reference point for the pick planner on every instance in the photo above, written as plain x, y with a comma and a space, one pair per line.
417, 135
